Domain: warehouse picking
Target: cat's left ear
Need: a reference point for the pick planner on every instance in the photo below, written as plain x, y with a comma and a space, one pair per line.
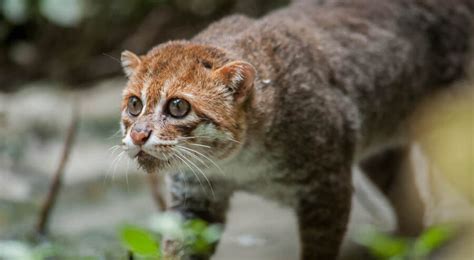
239, 77
130, 62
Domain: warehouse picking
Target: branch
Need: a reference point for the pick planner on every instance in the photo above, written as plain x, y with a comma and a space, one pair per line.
48, 204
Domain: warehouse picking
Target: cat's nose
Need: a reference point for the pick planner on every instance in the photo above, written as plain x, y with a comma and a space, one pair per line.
140, 134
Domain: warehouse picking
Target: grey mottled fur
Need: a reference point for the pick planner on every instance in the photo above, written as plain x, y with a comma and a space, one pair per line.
335, 78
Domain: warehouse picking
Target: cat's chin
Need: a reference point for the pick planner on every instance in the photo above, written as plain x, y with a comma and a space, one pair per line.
149, 163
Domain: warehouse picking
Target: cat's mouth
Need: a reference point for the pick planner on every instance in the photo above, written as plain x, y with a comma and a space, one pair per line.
170, 154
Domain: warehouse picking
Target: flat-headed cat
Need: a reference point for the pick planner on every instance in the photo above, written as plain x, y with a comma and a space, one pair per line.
285, 105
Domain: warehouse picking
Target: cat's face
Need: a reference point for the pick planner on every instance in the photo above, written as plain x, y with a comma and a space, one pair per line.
184, 105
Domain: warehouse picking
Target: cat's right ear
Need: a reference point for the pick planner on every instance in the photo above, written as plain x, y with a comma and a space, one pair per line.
130, 62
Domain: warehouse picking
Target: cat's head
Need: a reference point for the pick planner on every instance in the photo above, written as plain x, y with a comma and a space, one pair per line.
184, 104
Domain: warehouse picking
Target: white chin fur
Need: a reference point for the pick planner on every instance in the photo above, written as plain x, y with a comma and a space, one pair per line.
132, 153
129, 147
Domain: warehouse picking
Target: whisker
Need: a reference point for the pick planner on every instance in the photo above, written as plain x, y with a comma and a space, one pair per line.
116, 164
113, 149
185, 187
114, 134
193, 156
200, 145
233, 140
113, 166
206, 157
113, 163
210, 137
202, 136
126, 174
192, 170
112, 57
194, 137
200, 171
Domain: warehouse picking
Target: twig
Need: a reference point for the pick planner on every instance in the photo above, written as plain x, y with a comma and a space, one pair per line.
155, 183
48, 204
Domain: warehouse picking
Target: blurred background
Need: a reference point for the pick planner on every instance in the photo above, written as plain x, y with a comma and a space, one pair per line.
58, 54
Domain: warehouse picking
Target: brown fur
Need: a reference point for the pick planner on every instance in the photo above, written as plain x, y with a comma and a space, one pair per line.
328, 81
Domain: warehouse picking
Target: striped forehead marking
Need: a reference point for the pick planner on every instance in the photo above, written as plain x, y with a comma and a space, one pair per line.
144, 94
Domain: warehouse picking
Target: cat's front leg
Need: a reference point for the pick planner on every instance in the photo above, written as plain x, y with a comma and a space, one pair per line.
323, 212
193, 198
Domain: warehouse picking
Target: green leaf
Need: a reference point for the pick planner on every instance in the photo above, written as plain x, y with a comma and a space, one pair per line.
432, 238
201, 246
139, 241
212, 233
389, 247
382, 245
200, 236
197, 226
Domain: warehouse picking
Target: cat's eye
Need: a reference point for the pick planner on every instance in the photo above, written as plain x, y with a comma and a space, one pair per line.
135, 106
178, 107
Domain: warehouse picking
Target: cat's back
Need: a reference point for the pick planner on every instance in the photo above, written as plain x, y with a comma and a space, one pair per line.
383, 57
